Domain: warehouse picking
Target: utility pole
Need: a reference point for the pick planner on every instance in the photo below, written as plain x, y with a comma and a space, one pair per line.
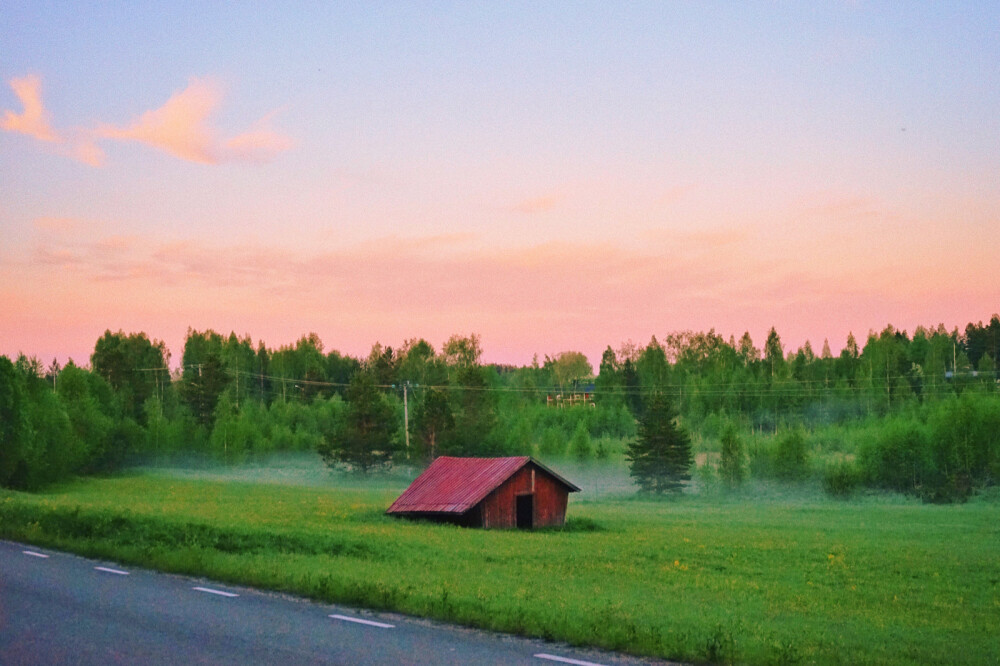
406, 416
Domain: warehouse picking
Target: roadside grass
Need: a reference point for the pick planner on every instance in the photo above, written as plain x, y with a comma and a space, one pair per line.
743, 577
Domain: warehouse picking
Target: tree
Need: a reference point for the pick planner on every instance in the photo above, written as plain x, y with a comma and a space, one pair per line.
791, 455
774, 353
731, 463
461, 351
660, 458
652, 367
91, 418
747, 352
580, 446
570, 367
202, 386
13, 425
415, 360
474, 407
609, 380
368, 438
382, 363
433, 422
631, 387
135, 367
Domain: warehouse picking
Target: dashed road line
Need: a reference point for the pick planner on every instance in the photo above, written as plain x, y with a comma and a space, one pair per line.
117, 572
34, 553
566, 660
218, 592
371, 623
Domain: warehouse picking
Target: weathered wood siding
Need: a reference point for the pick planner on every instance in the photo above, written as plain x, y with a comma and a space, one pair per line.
499, 509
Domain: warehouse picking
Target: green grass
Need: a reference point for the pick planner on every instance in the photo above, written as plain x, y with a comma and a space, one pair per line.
782, 579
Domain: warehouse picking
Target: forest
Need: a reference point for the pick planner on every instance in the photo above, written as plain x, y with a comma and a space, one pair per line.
912, 413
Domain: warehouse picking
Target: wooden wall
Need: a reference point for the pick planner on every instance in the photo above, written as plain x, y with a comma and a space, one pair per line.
499, 509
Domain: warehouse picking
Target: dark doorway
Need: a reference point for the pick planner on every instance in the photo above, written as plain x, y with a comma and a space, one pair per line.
525, 511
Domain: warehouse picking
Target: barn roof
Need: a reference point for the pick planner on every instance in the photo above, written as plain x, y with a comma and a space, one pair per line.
455, 485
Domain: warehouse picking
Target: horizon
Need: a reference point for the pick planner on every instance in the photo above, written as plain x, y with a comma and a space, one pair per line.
174, 353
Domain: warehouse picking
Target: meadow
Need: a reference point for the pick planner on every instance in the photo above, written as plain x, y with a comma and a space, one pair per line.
758, 576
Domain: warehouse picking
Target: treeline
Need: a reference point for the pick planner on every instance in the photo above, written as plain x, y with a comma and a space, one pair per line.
230, 399
708, 375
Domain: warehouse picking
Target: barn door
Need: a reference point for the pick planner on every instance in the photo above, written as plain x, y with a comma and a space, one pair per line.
525, 511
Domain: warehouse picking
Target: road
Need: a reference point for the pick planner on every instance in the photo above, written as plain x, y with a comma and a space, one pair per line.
58, 608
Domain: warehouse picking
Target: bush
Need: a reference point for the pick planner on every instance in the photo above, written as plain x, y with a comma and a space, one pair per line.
841, 479
580, 446
791, 459
553, 442
731, 464
966, 441
899, 458
761, 459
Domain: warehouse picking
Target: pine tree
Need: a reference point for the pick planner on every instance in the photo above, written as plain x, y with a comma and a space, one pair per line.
660, 458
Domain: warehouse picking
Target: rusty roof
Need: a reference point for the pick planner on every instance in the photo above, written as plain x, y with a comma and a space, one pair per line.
455, 485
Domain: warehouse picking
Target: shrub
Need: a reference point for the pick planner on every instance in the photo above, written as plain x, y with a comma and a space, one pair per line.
791, 459
898, 458
761, 459
731, 462
841, 479
965, 442
553, 441
580, 446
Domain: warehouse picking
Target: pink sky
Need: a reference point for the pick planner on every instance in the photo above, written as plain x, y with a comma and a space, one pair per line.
550, 180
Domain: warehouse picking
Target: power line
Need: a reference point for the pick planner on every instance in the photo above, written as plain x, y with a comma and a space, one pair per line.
746, 389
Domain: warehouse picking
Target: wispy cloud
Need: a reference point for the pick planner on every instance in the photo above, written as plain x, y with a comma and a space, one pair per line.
34, 120
182, 128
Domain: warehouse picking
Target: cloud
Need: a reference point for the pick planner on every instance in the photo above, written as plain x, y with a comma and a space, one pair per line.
181, 128
34, 121
84, 149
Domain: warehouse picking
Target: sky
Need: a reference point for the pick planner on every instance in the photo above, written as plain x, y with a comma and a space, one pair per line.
549, 176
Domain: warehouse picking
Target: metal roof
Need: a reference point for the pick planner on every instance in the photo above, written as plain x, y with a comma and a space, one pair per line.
455, 485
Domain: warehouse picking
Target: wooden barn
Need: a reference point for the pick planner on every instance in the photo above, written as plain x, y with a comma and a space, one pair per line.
487, 492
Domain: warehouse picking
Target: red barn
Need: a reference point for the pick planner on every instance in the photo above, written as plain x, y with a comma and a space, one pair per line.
487, 492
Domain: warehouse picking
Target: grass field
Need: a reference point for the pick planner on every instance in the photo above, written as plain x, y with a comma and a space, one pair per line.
790, 578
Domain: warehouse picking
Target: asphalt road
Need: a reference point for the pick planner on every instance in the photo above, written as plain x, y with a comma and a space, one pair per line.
57, 608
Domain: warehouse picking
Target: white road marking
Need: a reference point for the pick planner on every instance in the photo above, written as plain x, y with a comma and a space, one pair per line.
370, 623
219, 592
35, 554
566, 660
112, 571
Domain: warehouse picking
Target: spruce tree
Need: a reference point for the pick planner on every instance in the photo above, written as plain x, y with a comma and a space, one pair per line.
660, 458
